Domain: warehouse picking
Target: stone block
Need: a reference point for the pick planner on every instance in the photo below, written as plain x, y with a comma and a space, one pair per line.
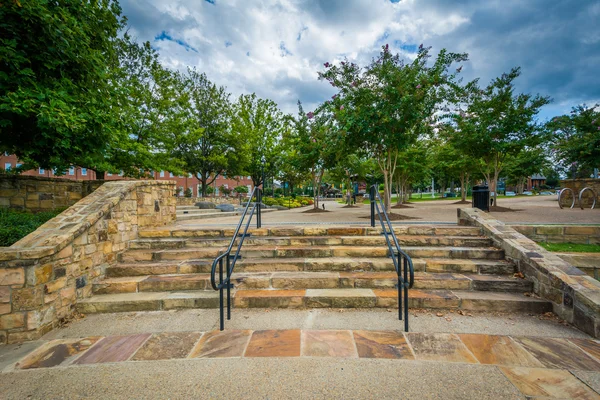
12, 321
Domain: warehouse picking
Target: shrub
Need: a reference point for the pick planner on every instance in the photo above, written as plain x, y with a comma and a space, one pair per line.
15, 225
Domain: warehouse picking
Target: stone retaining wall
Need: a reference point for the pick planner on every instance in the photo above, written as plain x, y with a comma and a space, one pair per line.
32, 193
45, 273
576, 185
575, 296
560, 233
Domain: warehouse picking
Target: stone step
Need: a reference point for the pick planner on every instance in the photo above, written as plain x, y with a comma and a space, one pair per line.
340, 264
312, 252
429, 230
312, 280
403, 240
314, 298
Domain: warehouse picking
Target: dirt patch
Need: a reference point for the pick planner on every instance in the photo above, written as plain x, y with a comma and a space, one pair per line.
502, 209
393, 217
314, 211
401, 206
462, 202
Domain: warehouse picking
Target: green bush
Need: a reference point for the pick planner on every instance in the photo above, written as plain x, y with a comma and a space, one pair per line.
15, 225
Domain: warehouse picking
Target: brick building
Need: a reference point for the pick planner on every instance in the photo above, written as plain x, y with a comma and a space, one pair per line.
8, 162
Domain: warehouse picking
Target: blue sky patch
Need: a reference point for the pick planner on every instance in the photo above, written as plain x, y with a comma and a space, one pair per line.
284, 50
166, 36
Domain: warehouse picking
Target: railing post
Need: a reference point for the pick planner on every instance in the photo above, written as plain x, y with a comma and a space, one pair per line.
372, 198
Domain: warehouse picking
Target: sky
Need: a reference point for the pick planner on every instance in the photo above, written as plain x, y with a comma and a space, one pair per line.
276, 48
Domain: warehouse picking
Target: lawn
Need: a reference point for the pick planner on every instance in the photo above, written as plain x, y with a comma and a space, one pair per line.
15, 225
571, 247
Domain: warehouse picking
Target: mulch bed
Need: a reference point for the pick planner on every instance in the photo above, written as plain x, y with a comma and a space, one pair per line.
502, 209
394, 217
315, 211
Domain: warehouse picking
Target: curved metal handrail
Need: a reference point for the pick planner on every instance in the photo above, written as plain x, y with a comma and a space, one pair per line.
581, 198
225, 282
406, 275
560, 197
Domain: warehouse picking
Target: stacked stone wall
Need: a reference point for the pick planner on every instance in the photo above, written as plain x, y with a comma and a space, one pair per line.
32, 193
560, 233
576, 185
575, 296
43, 275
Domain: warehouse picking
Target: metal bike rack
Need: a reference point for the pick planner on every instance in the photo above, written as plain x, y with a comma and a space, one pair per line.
560, 197
581, 197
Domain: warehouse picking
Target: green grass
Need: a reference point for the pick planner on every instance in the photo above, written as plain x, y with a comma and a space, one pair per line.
15, 225
571, 247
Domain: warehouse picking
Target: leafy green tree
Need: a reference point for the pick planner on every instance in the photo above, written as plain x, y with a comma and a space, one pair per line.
207, 145
498, 124
529, 161
261, 124
384, 107
56, 96
577, 139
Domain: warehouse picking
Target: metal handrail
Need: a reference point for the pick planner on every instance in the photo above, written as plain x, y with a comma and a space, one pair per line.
402, 261
225, 283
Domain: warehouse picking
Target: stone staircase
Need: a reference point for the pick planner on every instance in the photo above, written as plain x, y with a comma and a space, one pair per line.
308, 267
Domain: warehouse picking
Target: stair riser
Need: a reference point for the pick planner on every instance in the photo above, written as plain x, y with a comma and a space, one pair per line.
266, 282
322, 241
349, 231
315, 266
298, 302
141, 255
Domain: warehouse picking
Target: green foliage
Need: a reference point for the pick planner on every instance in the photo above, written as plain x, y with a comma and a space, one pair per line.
385, 106
55, 89
260, 123
15, 225
577, 140
498, 124
203, 139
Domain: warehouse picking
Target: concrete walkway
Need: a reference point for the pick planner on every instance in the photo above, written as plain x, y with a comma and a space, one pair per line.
531, 209
305, 354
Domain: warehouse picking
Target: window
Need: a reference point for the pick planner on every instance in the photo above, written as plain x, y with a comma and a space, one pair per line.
84, 171
71, 171
7, 166
162, 174
41, 171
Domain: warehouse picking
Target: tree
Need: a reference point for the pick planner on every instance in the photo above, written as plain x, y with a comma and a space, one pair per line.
318, 142
385, 107
56, 98
498, 124
207, 145
261, 124
577, 139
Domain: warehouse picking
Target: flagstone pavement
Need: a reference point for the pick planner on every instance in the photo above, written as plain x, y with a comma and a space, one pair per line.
525, 366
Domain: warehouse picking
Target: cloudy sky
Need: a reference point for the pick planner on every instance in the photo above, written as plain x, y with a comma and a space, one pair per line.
276, 47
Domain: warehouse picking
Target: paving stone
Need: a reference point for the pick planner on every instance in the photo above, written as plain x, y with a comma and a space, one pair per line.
439, 347
113, 349
328, 344
167, 345
548, 382
382, 344
589, 346
499, 350
56, 352
558, 353
274, 343
230, 343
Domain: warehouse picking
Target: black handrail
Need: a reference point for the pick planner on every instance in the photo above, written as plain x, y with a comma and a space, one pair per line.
226, 283
402, 261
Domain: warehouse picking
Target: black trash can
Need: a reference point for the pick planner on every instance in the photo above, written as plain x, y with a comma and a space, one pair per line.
481, 197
